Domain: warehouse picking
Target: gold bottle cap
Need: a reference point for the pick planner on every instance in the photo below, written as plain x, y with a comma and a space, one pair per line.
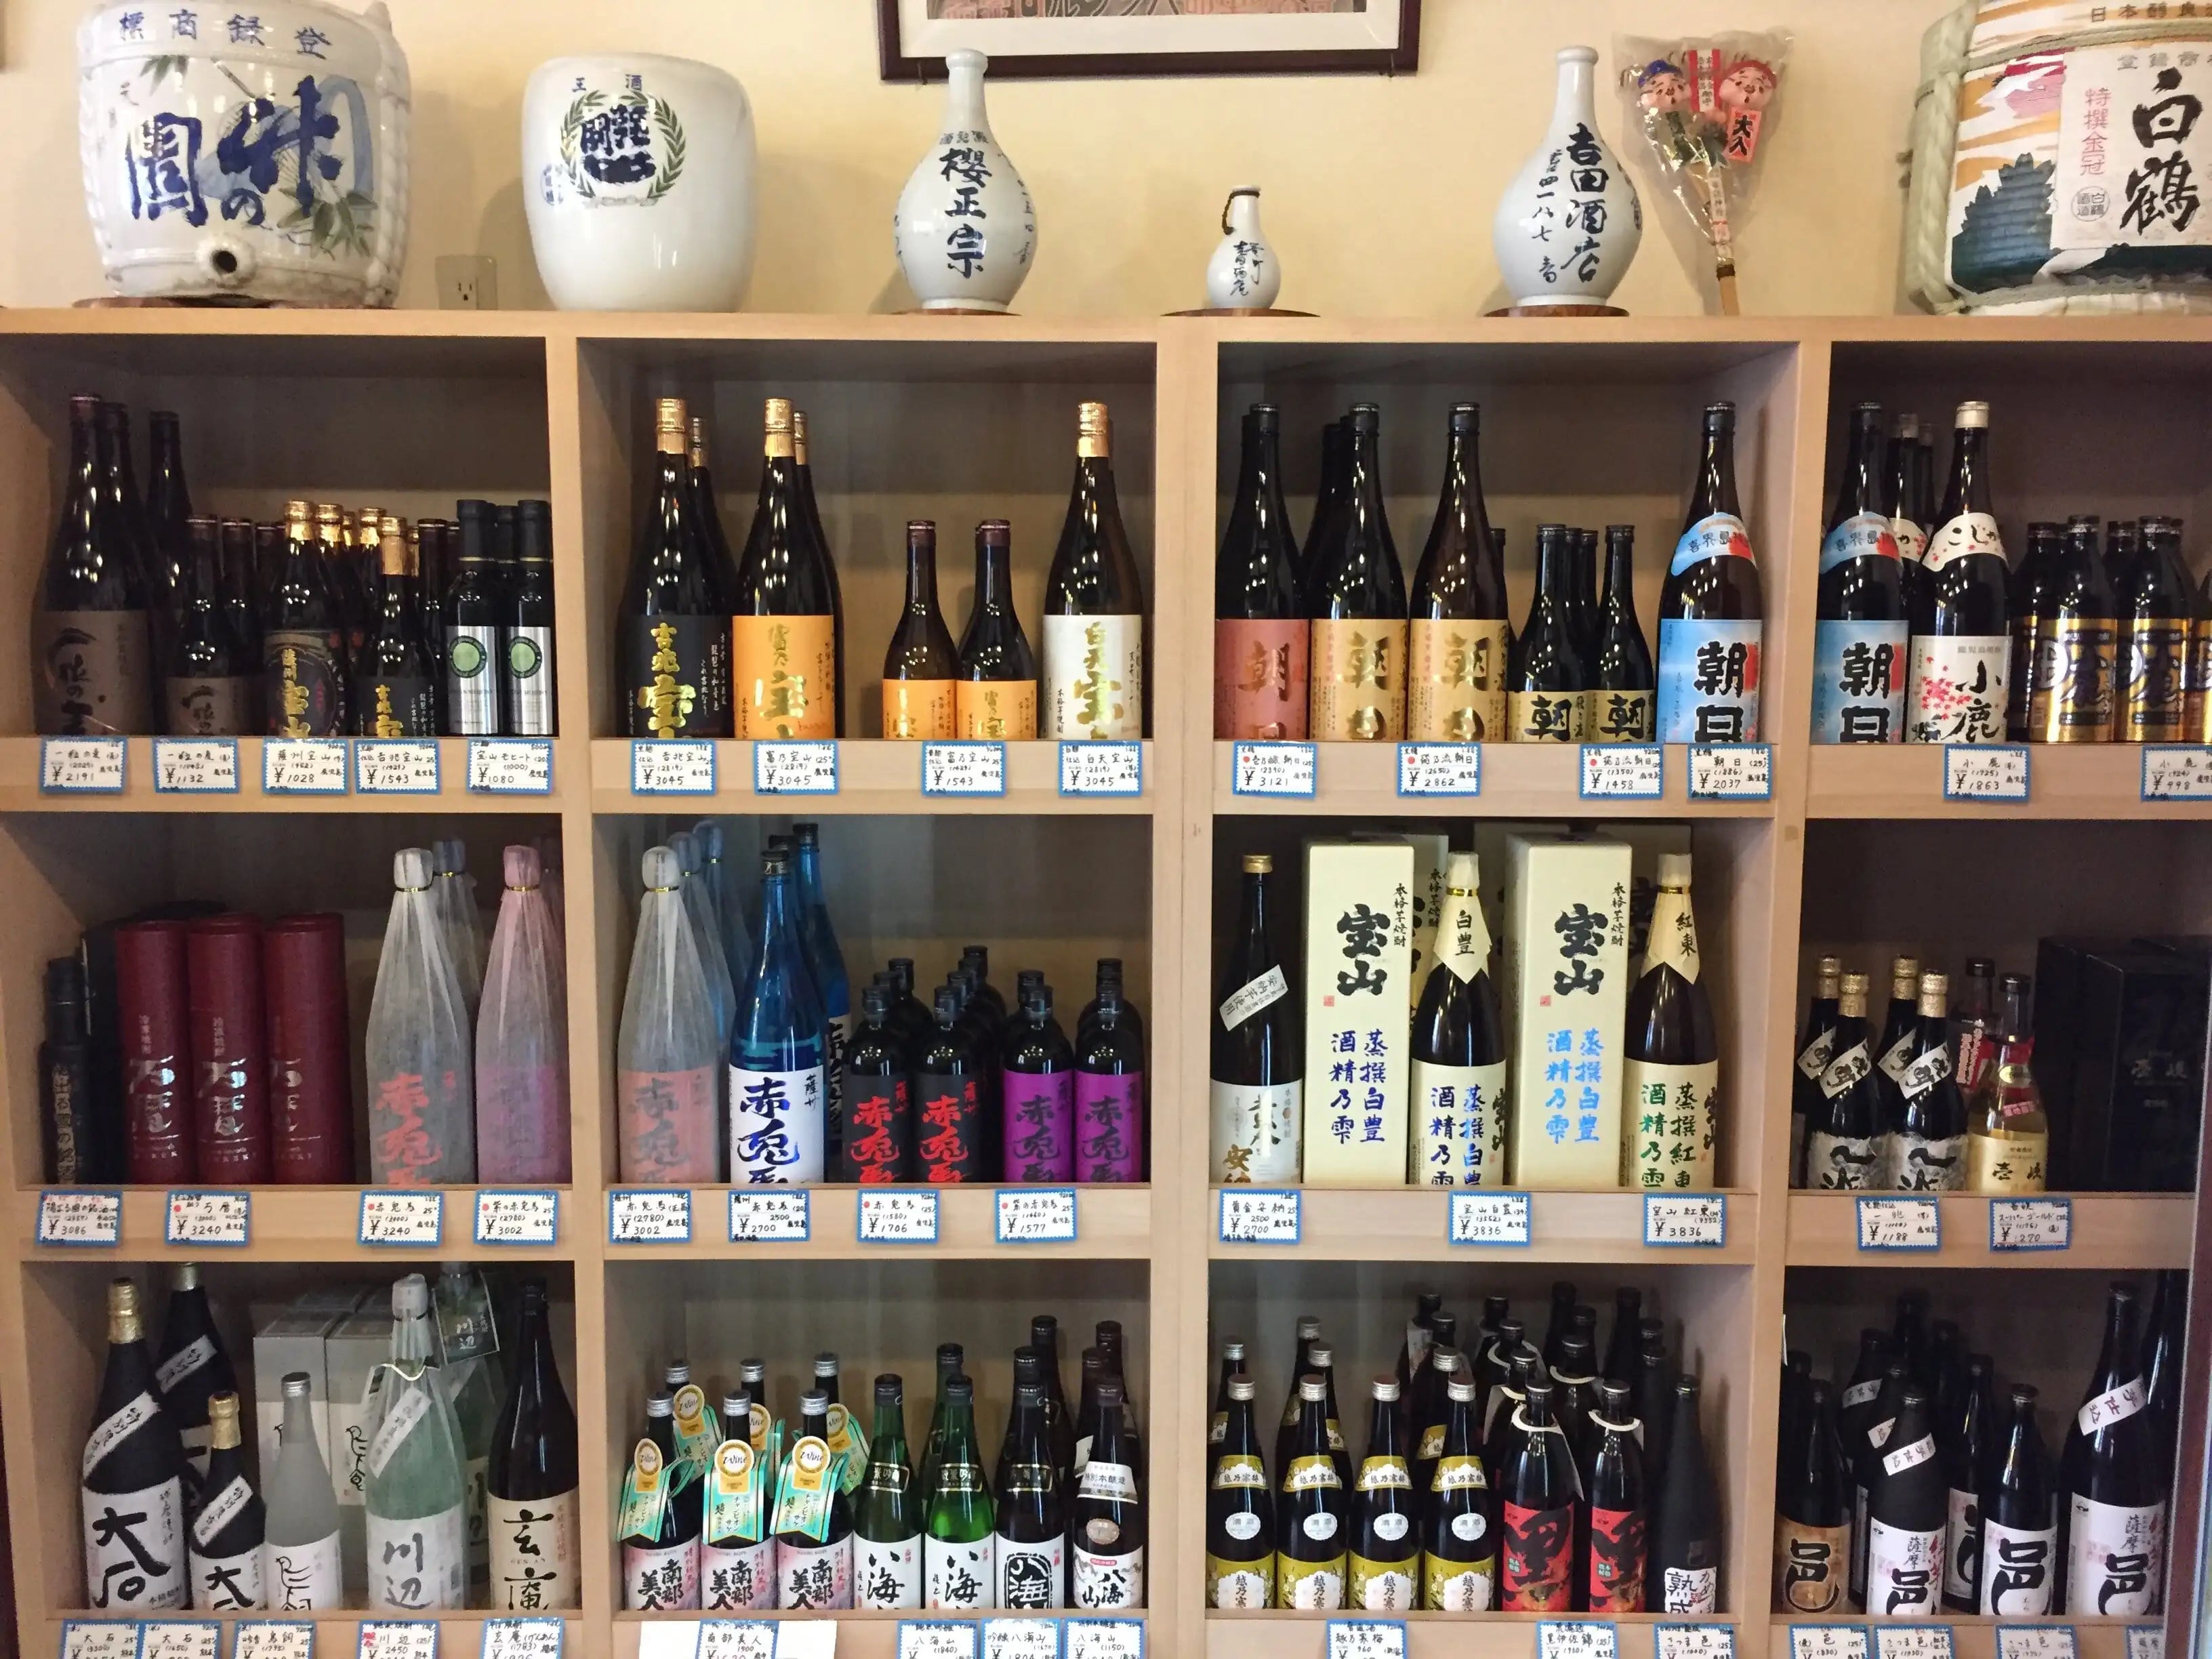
329, 523
698, 424
776, 439
1934, 994
394, 555
1904, 975
299, 519
350, 528
222, 1421
798, 436
123, 1324
1094, 431
1259, 864
1831, 974
1852, 997
668, 425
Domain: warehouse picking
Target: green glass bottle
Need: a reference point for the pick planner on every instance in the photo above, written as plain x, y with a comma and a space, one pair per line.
959, 1563
416, 1495
950, 1357
886, 1512
1309, 1539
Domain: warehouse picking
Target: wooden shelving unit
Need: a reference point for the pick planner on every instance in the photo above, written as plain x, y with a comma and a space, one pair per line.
958, 419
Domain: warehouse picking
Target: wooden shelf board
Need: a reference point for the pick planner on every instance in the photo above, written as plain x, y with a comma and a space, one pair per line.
1112, 1222
1287, 1635
873, 775
1408, 1223
1520, 781
1906, 781
20, 791
2126, 1231
307, 1224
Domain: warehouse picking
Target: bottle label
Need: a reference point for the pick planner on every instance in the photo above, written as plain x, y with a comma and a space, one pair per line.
1232, 1470
2151, 690
995, 711
660, 1580
133, 1415
1381, 1586
948, 1133
1455, 687
2113, 1405
1672, 1119
920, 710
1616, 1560
2113, 1559
1359, 681
1909, 1456
1611, 715
887, 1573
2196, 685
1383, 1474
198, 707
1709, 675
400, 1418
1962, 536
303, 1577
476, 1475
1109, 1126
1810, 1565
1858, 681
958, 1574
1093, 675
777, 1123
1904, 1568
1114, 1482
1962, 1547
1691, 1589
1840, 1074
1912, 539
1457, 1586
1539, 1546
418, 1564
1257, 1132
304, 683
1859, 1565
1716, 536
667, 1126
529, 658
2007, 1163
1309, 1586
676, 677
1458, 1474
1240, 1004
1925, 1070
95, 674
134, 1545
1459, 1125
1108, 1580
741, 1577
1544, 717
1240, 1585
2016, 1570
1862, 1394
783, 676
2073, 676
1260, 680
1030, 1575
394, 706
1311, 1474
216, 1512
1038, 1114
879, 1143
1957, 690
1814, 1059
229, 1584
182, 1364
536, 1554
1861, 536
1918, 1164
472, 679
814, 1577
1842, 1163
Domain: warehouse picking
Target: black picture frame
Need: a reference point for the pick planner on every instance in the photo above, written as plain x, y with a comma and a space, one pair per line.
1403, 58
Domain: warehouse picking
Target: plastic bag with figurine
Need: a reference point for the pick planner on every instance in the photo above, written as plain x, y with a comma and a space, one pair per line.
1705, 107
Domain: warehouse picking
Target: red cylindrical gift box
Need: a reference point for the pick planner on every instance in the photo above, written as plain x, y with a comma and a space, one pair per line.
153, 1010
310, 1069
230, 1093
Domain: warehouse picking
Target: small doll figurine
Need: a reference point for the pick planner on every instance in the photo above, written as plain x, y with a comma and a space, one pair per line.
1661, 87
1745, 91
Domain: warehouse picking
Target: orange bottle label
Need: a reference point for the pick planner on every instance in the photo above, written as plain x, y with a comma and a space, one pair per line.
1260, 679
1359, 681
1455, 688
997, 711
919, 709
784, 672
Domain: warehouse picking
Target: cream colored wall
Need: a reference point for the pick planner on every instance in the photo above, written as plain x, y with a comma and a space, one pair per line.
1378, 194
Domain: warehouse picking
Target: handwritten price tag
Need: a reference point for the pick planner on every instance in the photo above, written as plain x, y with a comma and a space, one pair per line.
759, 1218
195, 766
396, 766
795, 769
1697, 1219
512, 766
1260, 1215
733, 1639
518, 1217
205, 1217
1037, 1215
1731, 771
1913, 1641
1273, 769
2036, 1642
398, 1638
100, 1639
649, 1215
1581, 1638
1490, 1218
2146, 1642
1105, 1639
936, 1638
964, 769
673, 766
303, 766
1020, 1638
898, 1217
2176, 774
409, 1218
1899, 1223
180, 1638
1366, 1638
1623, 771
81, 766
1439, 769
521, 1638
1693, 1641
1827, 1642
1985, 772
75, 1218
1102, 768
2030, 1223
262, 1638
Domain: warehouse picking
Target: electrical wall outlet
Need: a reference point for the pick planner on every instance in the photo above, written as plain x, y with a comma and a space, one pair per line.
468, 282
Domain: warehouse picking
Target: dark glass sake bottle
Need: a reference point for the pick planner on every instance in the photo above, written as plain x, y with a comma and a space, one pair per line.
1232, 1366
133, 1484
529, 702
672, 630
530, 1480
1816, 1047
1459, 1050
2027, 601
91, 644
1585, 599
1711, 607
1037, 1091
303, 646
67, 1124
1928, 1142
1415, 1350
191, 1366
921, 670
1240, 1509
1260, 634
1610, 1573
1672, 1073
228, 1522
119, 490
887, 1510
1308, 1334
1813, 1512
1539, 1514
1459, 634
813, 1572
168, 510
1655, 1395
1312, 1530
1092, 633
2123, 538
819, 535
1031, 1508
2156, 610
2074, 662
1335, 483
2117, 1499
1686, 1533
1911, 500
1384, 1570
1257, 1064
395, 677
996, 699
2019, 1561
1907, 1513
1860, 638
1622, 703
1844, 1140
785, 613
1459, 1536
1355, 592
1620, 1346
1109, 1094
2162, 1361
878, 1145
951, 1142
1543, 680
1059, 1422
705, 507
1961, 630
1966, 1440
470, 642
1106, 1523
1427, 1420
208, 688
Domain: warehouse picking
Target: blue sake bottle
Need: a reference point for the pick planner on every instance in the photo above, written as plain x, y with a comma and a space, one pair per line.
779, 1049
826, 963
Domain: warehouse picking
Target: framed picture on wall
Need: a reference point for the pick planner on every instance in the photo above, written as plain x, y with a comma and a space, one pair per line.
1031, 39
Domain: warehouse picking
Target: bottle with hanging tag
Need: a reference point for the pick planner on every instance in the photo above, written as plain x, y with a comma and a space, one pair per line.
421, 1115
669, 1058
417, 1489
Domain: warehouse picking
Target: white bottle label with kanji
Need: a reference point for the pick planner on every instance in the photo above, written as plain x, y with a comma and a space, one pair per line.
887, 1574
2019, 1568
1904, 1570
134, 1545
2112, 1559
418, 1564
227, 1583
303, 1577
660, 1580
959, 1575
777, 1120
1032, 1576
1109, 1581
536, 1556
737, 1579
814, 1579
1256, 1133
1668, 1129
1093, 678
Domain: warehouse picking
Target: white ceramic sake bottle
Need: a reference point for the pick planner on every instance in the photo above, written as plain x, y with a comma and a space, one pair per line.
966, 229
1243, 274
1567, 228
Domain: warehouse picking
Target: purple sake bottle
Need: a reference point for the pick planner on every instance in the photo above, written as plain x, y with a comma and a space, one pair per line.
1038, 1091
1109, 1094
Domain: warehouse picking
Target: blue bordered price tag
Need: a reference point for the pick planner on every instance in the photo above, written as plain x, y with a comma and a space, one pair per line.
937, 1638
398, 1638
1977, 771
303, 766
197, 1216
1275, 768
1481, 1218
83, 766
396, 766
1623, 771
511, 766
964, 769
1731, 771
180, 1638
1036, 1215
1900, 1223
671, 766
724, 1638
195, 766
1576, 1638
79, 1218
1828, 1642
1439, 769
649, 1215
758, 1216
100, 1639
2146, 1642
807, 768
411, 1220
1260, 1215
1021, 1638
2037, 1642
897, 1216
1366, 1638
521, 1638
2175, 772
1088, 768
1686, 1220
512, 1215
1104, 1638
2030, 1223
1912, 1639
1693, 1641
272, 1638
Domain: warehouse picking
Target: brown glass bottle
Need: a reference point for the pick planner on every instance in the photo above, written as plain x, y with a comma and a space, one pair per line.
209, 688
673, 631
2073, 672
90, 649
997, 697
303, 646
1355, 593
783, 624
1459, 634
921, 670
2155, 607
395, 676
2028, 596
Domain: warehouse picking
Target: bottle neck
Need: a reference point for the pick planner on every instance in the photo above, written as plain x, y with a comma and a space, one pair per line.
1365, 483
1555, 570
1861, 491
1255, 923
1620, 571
922, 576
1969, 490
1716, 490
993, 579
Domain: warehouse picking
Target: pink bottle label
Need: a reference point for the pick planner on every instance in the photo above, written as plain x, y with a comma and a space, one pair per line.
1260, 680
522, 1124
1040, 1126
1109, 1127
665, 1122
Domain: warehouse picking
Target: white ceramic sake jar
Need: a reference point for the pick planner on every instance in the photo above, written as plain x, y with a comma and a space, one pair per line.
637, 175
1243, 274
1568, 226
257, 151
965, 230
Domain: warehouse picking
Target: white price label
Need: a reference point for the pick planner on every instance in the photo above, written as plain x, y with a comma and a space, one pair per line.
264, 1638
795, 769
734, 1638
964, 769
674, 766
763, 1217
205, 1217
506, 1217
1731, 771
396, 766
1984, 772
1579, 1638
1693, 1641
521, 1638
2030, 1223
686, 1638
1105, 1639
73, 1218
2146, 1642
180, 1638
512, 766
1490, 1219
1912, 1640
898, 1217
1273, 769
398, 1638
806, 1638
1102, 768
1623, 771
401, 1218
1694, 1220
649, 1215
2036, 1642
2176, 774
936, 1638
1366, 1638
195, 766
303, 766
1260, 1215
1439, 769
1899, 1223
1020, 1638
1827, 1642
1036, 1215
100, 1639
92, 766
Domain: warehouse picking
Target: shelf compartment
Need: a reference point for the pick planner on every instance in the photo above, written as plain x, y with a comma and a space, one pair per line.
2110, 1231
1410, 1223
2100, 781
1112, 1222
873, 775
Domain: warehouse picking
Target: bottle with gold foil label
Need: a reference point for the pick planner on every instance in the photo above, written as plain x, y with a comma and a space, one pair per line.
1356, 594
1455, 689
1545, 716
784, 622
922, 669
1260, 671
672, 628
1619, 716
1455, 683
2071, 680
1093, 633
2157, 651
1359, 681
995, 711
921, 710
2196, 682
786, 673
1094, 677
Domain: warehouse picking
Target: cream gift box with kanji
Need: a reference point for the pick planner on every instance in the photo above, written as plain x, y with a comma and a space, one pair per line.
1359, 935
1566, 999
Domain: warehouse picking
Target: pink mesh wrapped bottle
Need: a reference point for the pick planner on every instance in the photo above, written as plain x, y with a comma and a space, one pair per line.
522, 1035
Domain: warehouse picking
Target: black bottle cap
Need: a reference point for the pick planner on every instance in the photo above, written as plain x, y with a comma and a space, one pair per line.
948, 1005
1465, 420
1266, 418
872, 1005
891, 1389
